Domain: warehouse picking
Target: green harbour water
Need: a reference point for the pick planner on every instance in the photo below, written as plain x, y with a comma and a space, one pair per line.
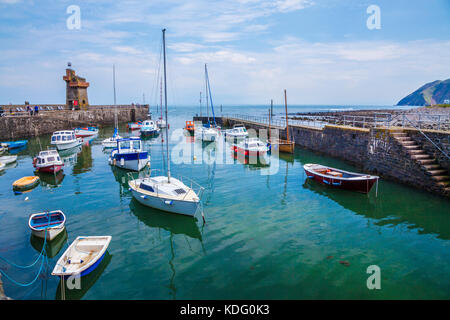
276, 236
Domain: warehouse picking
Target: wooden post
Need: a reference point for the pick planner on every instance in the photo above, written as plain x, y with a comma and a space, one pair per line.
287, 124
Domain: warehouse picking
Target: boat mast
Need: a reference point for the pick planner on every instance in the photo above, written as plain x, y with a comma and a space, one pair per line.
160, 97
115, 106
200, 103
287, 124
210, 97
206, 90
165, 103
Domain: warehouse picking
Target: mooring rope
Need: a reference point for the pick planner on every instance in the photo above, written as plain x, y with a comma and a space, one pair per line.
41, 255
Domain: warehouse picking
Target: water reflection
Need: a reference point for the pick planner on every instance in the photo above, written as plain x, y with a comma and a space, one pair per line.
84, 160
52, 248
70, 156
86, 282
392, 208
51, 180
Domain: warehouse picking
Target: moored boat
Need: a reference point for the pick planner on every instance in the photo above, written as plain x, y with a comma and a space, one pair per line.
11, 145
82, 257
237, 132
85, 132
25, 183
48, 161
129, 154
161, 123
134, 125
339, 178
149, 128
64, 140
251, 147
8, 159
190, 127
47, 224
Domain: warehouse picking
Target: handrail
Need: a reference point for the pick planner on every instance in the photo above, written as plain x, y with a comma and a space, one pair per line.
437, 147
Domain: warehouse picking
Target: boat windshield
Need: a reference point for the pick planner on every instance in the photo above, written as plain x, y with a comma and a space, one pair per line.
124, 145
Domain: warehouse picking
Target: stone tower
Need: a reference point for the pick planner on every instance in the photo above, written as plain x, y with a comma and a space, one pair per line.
76, 90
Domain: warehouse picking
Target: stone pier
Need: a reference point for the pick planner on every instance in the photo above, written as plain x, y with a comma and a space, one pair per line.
398, 154
22, 125
2, 293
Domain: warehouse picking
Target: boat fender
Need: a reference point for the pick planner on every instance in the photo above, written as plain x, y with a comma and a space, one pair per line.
122, 161
310, 177
144, 197
17, 192
168, 202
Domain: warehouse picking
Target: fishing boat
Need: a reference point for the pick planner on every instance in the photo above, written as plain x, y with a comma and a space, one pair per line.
82, 256
26, 183
166, 193
48, 161
8, 159
85, 132
64, 140
11, 145
134, 125
286, 146
250, 147
209, 131
190, 127
149, 128
47, 224
129, 154
111, 142
340, 179
237, 132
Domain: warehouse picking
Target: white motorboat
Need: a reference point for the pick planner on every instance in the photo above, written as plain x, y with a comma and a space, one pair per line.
82, 257
165, 192
237, 132
129, 154
8, 159
47, 224
64, 140
149, 128
252, 147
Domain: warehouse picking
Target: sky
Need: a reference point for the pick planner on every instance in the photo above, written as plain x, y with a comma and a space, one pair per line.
321, 51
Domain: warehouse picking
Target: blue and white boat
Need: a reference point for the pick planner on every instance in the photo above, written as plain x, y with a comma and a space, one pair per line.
47, 224
14, 144
82, 257
149, 128
129, 154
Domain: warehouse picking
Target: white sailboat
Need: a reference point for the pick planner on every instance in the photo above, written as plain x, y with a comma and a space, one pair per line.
111, 142
165, 192
210, 131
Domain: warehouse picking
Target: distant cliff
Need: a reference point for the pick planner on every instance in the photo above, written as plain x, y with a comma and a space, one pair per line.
435, 92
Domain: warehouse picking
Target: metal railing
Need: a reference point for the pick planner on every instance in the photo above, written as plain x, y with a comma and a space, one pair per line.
420, 120
376, 121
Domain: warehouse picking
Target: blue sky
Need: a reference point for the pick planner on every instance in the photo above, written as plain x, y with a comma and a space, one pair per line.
321, 51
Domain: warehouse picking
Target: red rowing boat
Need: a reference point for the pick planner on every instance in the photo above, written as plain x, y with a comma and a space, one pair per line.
339, 178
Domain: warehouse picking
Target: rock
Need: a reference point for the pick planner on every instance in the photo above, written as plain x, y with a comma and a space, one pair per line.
2, 293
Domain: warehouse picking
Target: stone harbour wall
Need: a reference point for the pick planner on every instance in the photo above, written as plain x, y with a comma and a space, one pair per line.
24, 126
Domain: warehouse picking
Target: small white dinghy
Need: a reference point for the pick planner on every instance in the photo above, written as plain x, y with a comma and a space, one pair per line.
47, 224
82, 257
8, 159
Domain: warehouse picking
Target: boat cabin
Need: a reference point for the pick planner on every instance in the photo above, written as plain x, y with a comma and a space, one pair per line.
48, 156
63, 136
129, 145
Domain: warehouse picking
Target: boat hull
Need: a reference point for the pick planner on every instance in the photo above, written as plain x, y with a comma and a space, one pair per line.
134, 162
187, 208
362, 185
50, 232
66, 146
49, 169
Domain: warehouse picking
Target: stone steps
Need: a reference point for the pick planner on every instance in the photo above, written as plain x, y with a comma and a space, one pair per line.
439, 175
